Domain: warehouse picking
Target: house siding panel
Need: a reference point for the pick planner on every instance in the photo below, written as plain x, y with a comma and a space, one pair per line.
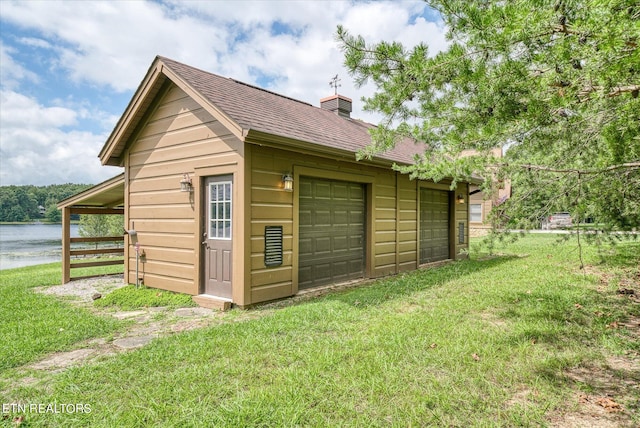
175, 168
462, 215
166, 282
179, 151
407, 235
162, 254
178, 137
270, 205
176, 226
257, 260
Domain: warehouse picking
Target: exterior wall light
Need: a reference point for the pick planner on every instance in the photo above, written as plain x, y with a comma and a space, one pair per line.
287, 182
185, 183
461, 199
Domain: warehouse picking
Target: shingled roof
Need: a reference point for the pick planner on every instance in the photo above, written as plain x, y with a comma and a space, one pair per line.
257, 109
254, 114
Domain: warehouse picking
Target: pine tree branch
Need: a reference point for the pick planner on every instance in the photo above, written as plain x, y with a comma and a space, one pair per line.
628, 166
619, 90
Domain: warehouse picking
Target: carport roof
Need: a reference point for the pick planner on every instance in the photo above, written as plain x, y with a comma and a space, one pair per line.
108, 194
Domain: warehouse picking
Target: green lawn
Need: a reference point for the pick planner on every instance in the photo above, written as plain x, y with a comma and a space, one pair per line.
32, 324
131, 297
483, 342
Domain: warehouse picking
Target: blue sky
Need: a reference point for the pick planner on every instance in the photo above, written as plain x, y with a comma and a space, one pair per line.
69, 68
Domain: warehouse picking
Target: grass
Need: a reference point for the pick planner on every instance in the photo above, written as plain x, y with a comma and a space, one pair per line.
130, 298
32, 325
483, 342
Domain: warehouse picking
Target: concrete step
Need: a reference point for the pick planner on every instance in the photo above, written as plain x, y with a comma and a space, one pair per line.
212, 302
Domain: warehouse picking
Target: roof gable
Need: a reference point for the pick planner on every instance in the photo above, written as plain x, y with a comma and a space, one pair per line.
247, 110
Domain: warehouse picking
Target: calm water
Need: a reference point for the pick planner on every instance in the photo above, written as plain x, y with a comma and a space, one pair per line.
31, 244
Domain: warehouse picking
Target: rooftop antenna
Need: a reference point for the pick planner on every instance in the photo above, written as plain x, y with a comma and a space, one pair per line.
334, 84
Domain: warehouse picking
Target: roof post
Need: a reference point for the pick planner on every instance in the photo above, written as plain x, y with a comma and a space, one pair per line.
66, 244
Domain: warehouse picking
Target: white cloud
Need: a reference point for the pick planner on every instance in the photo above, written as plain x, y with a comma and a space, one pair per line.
35, 42
108, 47
12, 73
36, 150
423, 31
109, 43
113, 43
20, 111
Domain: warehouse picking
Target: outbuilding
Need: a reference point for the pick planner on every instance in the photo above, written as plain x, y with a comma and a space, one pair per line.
238, 195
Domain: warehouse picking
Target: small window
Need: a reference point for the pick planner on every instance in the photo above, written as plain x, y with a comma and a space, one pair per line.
475, 212
220, 210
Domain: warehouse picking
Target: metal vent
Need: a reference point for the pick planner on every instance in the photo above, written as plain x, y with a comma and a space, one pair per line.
272, 246
461, 232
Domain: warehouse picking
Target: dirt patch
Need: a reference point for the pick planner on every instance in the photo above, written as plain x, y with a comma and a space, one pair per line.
625, 282
591, 417
493, 320
61, 360
522, 398
631, 326
608, 394
132, 342
83, 290
593, 410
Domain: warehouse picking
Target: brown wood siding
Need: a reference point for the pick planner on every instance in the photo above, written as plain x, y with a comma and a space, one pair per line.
270, 205
178, 137
393, 246
407, 224
385, 224
394, 222
462, 216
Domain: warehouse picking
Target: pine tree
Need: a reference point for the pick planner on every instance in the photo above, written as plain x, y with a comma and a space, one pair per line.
555, 83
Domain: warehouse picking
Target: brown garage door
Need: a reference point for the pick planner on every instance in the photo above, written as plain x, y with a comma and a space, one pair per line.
332, 232
434, 225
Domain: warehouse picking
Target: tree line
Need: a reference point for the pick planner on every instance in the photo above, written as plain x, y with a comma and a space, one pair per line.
34, 203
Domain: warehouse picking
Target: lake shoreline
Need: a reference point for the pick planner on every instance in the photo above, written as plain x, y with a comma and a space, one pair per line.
29, 244
26, 223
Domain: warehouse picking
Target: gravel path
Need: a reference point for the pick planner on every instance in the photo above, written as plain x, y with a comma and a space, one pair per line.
146, 323
84, 289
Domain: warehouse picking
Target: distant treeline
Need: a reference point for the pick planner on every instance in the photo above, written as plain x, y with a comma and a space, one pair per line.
29, 203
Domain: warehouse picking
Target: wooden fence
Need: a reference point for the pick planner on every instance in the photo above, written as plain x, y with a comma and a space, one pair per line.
69, 253
76, 253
